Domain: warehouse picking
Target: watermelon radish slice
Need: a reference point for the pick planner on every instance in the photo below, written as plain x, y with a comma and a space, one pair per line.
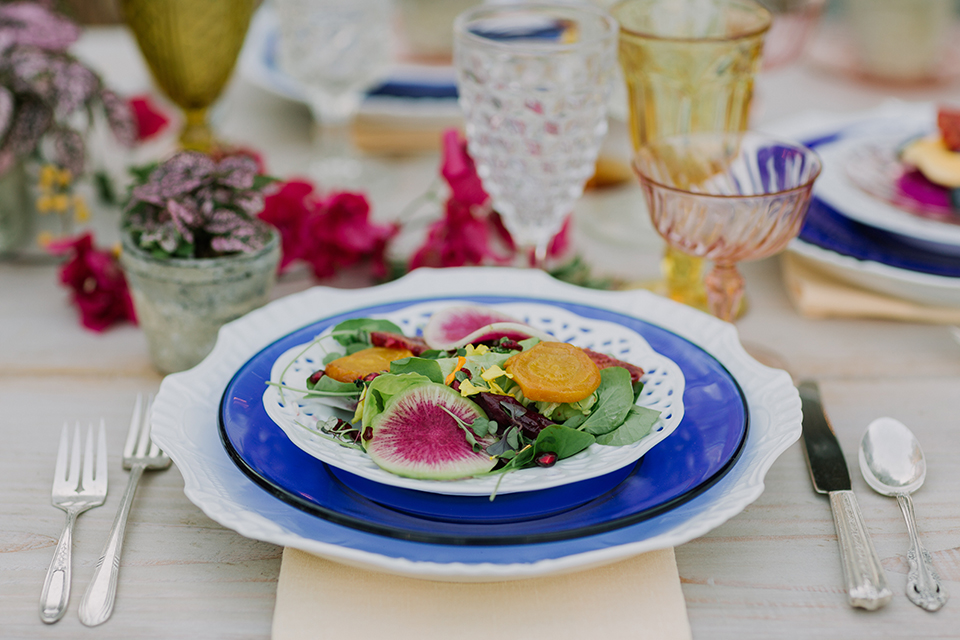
414, 437
453, 327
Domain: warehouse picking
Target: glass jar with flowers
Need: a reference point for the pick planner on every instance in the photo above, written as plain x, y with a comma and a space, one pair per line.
195, 253
49, 100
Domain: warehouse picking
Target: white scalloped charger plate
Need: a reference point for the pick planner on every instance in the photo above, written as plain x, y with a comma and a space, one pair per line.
662, 391
185, 416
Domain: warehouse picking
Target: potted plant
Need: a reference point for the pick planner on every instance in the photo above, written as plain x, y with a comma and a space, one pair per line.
195, 253
48, 102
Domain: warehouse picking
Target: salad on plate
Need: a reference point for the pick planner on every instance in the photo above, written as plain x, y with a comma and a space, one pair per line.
471, 395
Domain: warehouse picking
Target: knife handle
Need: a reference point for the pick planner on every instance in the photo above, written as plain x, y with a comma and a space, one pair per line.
866, 582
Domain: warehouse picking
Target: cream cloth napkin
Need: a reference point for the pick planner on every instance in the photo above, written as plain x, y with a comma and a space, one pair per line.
816, 294
635, 598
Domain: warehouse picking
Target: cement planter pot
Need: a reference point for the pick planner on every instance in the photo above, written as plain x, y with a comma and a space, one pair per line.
182, 303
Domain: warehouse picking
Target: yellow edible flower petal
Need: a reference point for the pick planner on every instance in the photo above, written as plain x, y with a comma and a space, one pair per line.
467, 388
478, 350
494, 372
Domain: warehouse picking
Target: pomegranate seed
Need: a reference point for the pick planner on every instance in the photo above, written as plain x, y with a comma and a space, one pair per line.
315, 376
546, 459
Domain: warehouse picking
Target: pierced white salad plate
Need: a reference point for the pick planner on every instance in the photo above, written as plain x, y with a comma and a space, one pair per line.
187, 409
662, 391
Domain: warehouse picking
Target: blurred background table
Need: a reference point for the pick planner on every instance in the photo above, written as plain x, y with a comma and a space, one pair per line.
772, 571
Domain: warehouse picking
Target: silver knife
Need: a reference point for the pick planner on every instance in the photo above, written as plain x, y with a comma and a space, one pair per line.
866, 582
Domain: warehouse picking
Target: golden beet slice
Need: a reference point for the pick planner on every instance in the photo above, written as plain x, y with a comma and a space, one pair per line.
554, 372
364, 362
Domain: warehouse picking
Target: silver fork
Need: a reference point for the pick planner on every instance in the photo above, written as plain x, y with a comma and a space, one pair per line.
139, 454
74, 495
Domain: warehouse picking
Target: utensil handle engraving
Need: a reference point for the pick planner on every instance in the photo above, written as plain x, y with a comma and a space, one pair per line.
866, 582
97, 603
56, 586
923, 582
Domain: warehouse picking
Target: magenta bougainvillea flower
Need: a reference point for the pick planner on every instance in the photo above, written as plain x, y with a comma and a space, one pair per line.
328, 233
150, 119
470, 232
96, 281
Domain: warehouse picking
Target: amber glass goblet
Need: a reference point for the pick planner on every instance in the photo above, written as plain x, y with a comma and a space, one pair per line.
689, 66
191, 47
726, 197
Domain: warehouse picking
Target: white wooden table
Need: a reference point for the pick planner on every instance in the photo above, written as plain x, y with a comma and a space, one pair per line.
771, 572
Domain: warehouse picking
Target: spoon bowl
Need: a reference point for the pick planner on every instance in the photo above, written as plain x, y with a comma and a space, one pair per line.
891, 459
892, 464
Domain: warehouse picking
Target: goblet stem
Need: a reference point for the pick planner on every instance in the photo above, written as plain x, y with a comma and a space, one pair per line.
196, 134
336, 163
683, 275
724, 290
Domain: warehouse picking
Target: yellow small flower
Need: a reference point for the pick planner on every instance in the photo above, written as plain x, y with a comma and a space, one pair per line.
61, 203
44, 238
44, 204
65, 177
48, 175
80, 211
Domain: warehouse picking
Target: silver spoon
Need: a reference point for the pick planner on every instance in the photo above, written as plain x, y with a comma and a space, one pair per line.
892, 464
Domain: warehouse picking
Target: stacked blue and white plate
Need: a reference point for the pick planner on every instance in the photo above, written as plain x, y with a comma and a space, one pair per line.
859, 228
725, 420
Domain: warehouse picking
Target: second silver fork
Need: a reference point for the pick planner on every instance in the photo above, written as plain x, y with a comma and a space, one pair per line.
139, 454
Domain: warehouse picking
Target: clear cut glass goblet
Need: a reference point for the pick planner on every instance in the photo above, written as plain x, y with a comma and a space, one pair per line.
726, 197
337, 50
534, 81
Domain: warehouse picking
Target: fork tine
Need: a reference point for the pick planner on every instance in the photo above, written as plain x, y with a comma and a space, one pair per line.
73, 479
101, 477
60, 473
88, 460
131, 443
144, 442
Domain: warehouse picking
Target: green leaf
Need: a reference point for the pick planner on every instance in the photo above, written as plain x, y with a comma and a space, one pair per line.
638, 424
357, 330
614, 399
436, 370
562, 441
261, 181
328, 386
383, 388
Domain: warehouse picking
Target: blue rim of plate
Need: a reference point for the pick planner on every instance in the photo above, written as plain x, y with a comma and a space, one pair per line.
705, 446
828, 228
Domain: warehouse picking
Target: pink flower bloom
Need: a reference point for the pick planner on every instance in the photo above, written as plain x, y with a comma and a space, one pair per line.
457, 239
99, 288
330, 234
286, 209
339, 234
459, 171
150, 119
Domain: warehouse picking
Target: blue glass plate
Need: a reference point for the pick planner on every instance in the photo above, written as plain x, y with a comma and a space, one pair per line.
829, 229
703, 448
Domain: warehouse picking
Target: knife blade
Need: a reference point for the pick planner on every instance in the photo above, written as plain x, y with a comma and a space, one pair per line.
863, 574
